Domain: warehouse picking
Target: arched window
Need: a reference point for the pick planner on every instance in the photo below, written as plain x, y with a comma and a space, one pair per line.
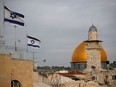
15, 83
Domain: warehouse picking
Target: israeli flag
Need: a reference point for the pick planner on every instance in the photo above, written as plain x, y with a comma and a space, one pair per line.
13, 17
34, 42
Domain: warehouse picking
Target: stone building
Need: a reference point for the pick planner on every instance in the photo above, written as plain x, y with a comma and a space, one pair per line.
15, 72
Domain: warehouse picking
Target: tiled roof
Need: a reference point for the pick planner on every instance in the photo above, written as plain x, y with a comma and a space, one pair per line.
73, 72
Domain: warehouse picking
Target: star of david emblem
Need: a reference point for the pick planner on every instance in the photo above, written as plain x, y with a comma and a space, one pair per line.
12, 15
32, 41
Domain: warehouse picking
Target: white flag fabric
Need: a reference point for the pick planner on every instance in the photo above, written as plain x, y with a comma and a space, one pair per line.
34, 42
13, 17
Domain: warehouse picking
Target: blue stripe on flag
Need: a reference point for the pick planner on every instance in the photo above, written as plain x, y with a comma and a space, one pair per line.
33, 45
14, 22
6, 8
33, 38
18, 14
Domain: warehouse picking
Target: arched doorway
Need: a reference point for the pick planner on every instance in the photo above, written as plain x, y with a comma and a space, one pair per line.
15, 83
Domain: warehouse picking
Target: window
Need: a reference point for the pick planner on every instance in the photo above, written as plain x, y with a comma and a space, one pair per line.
114, 77
15, 83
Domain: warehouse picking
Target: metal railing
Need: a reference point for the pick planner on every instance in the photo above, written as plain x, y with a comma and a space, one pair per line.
18, 52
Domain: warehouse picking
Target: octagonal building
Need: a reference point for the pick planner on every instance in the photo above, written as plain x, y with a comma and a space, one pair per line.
79, 56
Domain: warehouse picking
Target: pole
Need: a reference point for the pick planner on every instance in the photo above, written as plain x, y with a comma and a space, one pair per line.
1, 43
2, 36
33, 60
27, 43
3, 19
15, 40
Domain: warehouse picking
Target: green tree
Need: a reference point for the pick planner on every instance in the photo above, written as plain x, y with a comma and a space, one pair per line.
113, 64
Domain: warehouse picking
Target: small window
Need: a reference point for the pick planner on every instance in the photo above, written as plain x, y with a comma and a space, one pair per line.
93, 77
114, 77
15, 83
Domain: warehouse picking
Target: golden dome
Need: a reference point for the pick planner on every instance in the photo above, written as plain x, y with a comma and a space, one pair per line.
79, 54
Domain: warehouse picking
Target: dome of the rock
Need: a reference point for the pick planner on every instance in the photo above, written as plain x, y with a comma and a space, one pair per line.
89, 53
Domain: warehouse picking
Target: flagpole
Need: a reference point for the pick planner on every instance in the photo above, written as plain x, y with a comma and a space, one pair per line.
26, 41
2, 36
15, 40
3, 19
33, 60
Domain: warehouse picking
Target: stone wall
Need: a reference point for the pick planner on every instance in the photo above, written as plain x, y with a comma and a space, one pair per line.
15, 69
112, 73
5, 71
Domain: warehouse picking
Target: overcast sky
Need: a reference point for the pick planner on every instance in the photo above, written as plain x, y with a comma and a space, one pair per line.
62, 25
